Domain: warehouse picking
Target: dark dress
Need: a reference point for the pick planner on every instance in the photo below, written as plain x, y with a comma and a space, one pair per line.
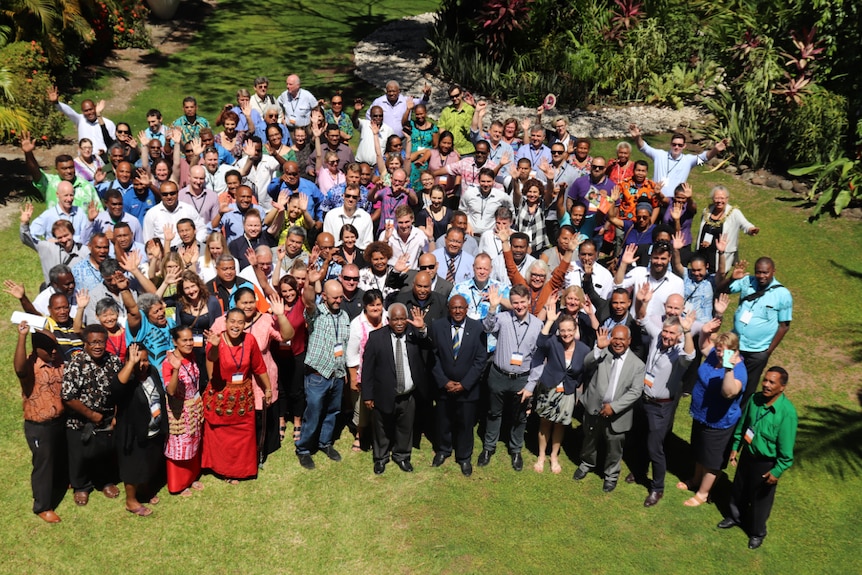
141, 428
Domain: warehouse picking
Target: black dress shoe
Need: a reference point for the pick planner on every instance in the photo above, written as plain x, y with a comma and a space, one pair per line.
609, 485
517, 462
579, 474
653, 498
727, 523
466, 468
755, 542
630, 478
405, 465
379, 467
484, 458
331, 453
439, 458
306, 461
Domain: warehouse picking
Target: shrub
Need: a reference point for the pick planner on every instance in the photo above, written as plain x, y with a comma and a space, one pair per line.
30, 78
814, 131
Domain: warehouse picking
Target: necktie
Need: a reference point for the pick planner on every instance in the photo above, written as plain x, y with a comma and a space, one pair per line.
450, 270
456, 341
399, 366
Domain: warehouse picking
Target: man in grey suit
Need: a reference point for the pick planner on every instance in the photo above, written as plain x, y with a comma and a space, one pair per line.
616, 385
428, 263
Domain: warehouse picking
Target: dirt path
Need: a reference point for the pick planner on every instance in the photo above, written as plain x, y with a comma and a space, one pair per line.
130, 71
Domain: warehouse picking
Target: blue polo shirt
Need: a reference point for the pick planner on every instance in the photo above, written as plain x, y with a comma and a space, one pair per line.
756, 322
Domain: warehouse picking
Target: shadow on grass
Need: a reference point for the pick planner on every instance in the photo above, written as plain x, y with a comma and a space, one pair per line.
831, 438
15, 178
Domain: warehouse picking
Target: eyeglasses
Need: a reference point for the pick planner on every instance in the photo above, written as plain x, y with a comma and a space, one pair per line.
543, 276
337, 103
674, 145
351, 197
169, 194
123, 132
376, 115
350, 278
598, 167
429, 267
557, 152
333, 163
455, 96
639, 217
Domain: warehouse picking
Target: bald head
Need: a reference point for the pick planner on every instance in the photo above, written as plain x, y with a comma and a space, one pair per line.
422, 285
674, 305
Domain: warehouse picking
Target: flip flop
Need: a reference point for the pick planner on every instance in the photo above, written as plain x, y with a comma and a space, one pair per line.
556, 467
81, 498
232, 481
281, 430
297, 433
695, 501
683, 485
539, 466
357, 446
154, 500
141, 511
197, 486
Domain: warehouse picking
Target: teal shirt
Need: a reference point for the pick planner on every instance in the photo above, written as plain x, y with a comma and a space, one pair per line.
774, 428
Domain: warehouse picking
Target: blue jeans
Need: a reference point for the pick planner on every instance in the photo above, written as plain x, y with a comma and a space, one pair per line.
322, 405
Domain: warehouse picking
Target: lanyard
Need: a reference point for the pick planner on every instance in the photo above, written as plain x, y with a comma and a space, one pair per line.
238, 364
518, 340
334, 326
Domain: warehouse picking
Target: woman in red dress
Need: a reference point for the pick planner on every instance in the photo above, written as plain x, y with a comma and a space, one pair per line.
233, 359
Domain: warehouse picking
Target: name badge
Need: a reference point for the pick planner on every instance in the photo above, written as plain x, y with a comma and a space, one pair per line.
238, 377
649, 378
338, 350
707, 237
516, 359
746, 316
155, 409
198, 340
749, 435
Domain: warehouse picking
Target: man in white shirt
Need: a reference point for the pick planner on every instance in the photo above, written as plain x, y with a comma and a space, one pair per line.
350, 214
663, 282
480, 204
167, 213
406, 238
365, 152
87, 122
257, 170
586, 264
296, 104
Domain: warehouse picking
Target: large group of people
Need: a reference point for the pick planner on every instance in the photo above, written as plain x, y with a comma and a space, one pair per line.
206, 294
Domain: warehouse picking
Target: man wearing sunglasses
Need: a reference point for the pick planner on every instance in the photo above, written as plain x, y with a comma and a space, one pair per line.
365, 152
457, 118
672, 168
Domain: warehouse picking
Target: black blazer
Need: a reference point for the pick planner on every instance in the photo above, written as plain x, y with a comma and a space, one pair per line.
378, 366
435, 304
467, 368
441, 286
551, 356
133, 411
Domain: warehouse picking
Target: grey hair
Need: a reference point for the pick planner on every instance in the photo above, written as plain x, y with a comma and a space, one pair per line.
541, 266
147, 301
624, 146
719, 188
106, 304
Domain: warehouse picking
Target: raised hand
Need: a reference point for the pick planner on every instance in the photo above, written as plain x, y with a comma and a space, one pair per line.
23, 327
630, 254
357, 104
721, 145
143, 176
121, 281
173, 277
175, 360
189, 254
552, 312
27, 143
426, 89
711, 326
417, 319
494, 297
14, 289
303, 200
644, 293
251, 256
168, 231
721, 303
721, 243
26, 212
82, 296
676, 212
176, 135
100, 107
53, 94
197, 146
615, 194
134, 354
403, 263
92, 210
213, 338
276, 304
248, 148
603, 337
739, 269
547, 169
99, 176
634, 130
143, 139
688, 320
505, 159
678, 240
129, 261
686, 190
526, 124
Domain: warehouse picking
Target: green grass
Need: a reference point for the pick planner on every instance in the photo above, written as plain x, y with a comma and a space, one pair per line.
341, 518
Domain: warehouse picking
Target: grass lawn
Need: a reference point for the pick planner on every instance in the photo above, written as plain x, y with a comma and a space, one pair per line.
343, 519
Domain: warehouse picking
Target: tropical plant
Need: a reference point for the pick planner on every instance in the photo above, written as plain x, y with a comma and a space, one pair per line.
28, 78
498, 20
12, 117
56, 25
837, 183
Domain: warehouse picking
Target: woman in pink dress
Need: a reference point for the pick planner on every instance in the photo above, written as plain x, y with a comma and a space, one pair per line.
181, 375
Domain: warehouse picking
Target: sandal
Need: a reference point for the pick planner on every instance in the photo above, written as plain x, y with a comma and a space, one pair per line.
281, 431
297, 433
539, 466
231, 481
683, 485
82, 498
154, 500
556, 467
197, 486
695, 501
141, 511
357, 446
185, 492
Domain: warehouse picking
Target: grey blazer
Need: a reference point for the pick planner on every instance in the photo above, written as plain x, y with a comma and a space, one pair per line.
629, 387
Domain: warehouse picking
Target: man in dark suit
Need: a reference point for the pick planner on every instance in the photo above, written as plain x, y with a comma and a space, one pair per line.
431, 303
392, 367
615, 311
428, 263
616, 385
460, 352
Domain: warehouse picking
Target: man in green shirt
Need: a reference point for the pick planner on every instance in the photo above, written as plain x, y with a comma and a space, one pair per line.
763, 446
47, 184
457, 119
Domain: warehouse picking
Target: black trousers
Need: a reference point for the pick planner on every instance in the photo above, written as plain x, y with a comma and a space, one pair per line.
653, 421
455, 420
49, 478
755, 363
393, 432
94, 466
751, 496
